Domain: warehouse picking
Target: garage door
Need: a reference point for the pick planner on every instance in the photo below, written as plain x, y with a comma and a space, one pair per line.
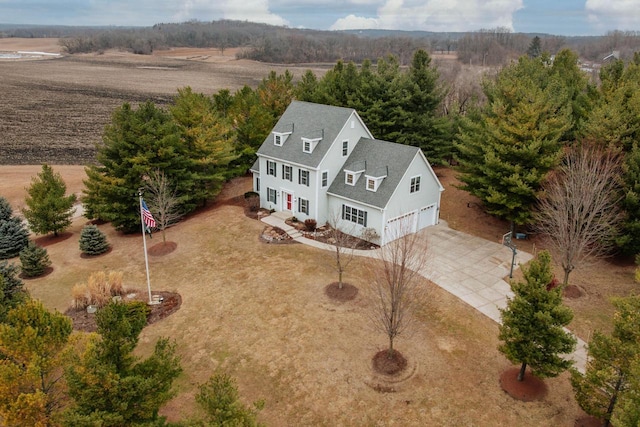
427, 216
401, 225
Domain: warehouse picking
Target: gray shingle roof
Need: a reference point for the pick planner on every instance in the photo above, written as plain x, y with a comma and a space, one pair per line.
392, 158
307, 120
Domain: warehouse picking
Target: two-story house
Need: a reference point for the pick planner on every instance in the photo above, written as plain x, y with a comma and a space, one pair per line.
322, 162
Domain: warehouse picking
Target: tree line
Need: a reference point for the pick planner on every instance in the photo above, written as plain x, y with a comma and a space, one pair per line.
268, 43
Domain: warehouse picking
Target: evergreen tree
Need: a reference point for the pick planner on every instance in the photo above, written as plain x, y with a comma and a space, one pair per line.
208, 147
535, 48
13, 234
13, 237
111, 387
220, 400
533, 323
93, 241
627, 413
12, 291
34, 344
34, 260
134, 143
506, 151
251, 124
6, 212
629, 240
49, 210
612, 365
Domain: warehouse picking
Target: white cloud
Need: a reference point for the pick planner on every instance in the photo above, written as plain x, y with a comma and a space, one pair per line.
614, 14
249, 10
436, 15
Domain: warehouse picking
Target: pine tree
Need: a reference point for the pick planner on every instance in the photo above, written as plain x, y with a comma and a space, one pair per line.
506, 151
12, 291
109, 386
34, 344
209, 148
93, 241
13, 237
535, 48
533, 321
629, 239
49, 210
6, 211
220, 400
611, 371
134, 143
34, 260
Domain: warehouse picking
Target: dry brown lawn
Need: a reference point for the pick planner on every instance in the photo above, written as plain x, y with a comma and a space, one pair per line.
259, 312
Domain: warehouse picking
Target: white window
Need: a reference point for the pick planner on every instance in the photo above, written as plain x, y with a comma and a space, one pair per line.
287, 172
371, 184
415, 184
257, 184
303, 177
277, 139
357, 216
325, 178
271, 195
349, 178
303, 205
306, 146
345, 147
271, 168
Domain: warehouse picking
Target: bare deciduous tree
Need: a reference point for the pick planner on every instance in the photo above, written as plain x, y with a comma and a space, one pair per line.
395, 284
344, 245
578, 211
163, 200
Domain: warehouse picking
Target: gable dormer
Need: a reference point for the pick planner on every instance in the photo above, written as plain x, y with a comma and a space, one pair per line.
279, 138
375, 178
310, 142
352, 172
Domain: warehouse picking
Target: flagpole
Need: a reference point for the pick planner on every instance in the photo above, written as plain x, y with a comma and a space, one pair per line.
144, 244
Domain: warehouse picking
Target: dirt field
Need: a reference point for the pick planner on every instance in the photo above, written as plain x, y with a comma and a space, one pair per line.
54, 110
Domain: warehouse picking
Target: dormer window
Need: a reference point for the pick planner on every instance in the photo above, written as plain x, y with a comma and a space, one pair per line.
349, 178
353, 172
375, 179
309, 144
280, 137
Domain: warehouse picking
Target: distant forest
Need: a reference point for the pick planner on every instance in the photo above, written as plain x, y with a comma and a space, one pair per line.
268, 43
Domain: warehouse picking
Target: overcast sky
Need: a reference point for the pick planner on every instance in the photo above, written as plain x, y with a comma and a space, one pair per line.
561, 17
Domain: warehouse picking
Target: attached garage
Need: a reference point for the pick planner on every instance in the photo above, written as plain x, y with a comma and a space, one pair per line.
411, 222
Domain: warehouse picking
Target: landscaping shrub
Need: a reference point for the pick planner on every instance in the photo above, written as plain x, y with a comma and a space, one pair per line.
34, 260
310, 224
93, 241
99, 290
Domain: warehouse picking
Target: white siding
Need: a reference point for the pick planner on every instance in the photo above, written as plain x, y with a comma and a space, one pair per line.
374, 217
333, 162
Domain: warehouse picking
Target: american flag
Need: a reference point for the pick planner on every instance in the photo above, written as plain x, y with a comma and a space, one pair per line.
146, 216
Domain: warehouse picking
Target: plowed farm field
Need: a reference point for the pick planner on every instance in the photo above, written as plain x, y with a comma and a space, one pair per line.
54, 108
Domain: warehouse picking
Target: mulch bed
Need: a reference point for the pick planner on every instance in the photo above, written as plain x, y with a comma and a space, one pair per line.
383, 364
162, 248
83, 321
573, 292
589, 421
348, 292
529, 389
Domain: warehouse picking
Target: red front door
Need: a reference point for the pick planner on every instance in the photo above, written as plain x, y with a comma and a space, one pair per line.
289, 202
